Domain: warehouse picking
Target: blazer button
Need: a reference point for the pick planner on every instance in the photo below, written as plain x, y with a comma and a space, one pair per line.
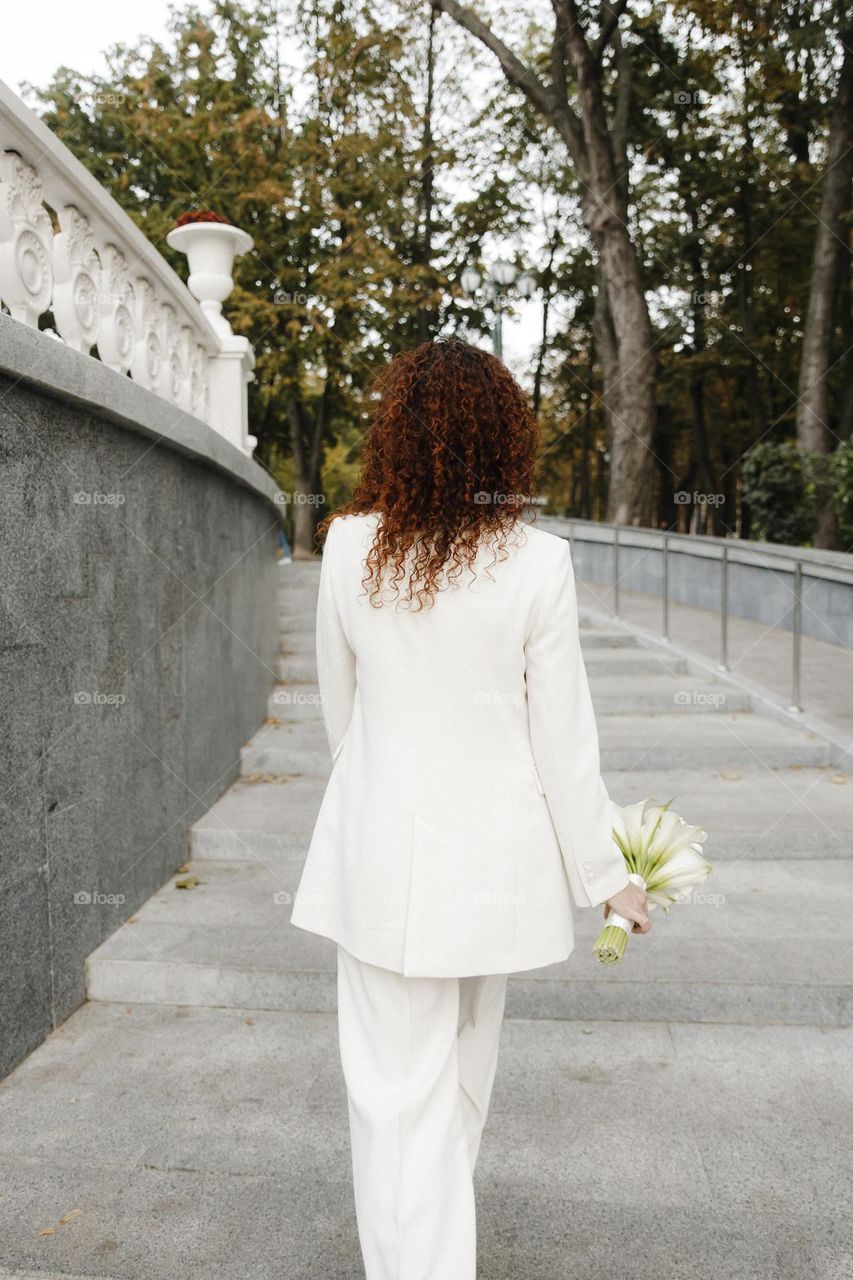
588, 871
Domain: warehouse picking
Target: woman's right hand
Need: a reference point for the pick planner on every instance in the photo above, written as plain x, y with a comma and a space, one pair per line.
630, 902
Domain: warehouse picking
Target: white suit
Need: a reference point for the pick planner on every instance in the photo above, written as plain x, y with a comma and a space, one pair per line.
465, 800
464, 810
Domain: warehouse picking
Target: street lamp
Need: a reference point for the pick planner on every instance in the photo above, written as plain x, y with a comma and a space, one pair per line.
526, 284
471, 279
503, 273
502, 276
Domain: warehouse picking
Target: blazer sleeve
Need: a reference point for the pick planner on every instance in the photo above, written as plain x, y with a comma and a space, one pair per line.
335, 658
565, 743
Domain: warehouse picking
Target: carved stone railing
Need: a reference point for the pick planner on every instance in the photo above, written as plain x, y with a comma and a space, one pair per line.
67, 247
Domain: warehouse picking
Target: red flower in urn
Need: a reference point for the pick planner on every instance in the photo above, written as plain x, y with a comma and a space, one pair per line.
200, 215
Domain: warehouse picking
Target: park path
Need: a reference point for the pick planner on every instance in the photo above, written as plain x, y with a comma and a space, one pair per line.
193, 1113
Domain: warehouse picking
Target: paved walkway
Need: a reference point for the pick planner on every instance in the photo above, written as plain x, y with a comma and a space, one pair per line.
686, 1115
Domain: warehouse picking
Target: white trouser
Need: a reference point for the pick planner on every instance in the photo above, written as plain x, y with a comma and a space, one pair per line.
419, 1058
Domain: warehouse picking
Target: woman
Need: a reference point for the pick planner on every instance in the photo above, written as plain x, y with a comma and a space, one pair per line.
465, 807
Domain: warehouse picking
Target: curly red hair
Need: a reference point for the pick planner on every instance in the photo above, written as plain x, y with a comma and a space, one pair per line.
448, 459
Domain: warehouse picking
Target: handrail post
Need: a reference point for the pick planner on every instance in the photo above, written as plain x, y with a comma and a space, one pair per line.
797, 638
616, 570
665, 586
724, 609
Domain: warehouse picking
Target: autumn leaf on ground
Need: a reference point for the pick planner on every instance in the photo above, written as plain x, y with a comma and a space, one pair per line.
62, 1222
188, 882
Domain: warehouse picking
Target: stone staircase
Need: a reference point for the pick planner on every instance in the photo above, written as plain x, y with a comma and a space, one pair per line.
752, 948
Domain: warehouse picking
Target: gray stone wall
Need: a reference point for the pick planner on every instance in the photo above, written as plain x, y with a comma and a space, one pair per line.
137, 652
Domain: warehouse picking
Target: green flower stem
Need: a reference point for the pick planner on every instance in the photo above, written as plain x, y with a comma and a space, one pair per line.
610, 944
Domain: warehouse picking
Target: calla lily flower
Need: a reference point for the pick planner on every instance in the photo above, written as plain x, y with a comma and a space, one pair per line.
663, 853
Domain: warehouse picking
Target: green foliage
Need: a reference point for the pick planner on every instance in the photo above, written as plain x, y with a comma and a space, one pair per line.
776, 490
307, 124
841, 474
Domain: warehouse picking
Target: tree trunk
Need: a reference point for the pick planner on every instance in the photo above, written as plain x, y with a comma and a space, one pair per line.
306, 445
705, 466
831, 254
547, 285
607, 352
426, 322
629, 498
584, 506
745, 302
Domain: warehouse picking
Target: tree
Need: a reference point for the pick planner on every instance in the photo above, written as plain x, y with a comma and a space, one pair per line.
371, 162
591, 117
831, 256
318, 162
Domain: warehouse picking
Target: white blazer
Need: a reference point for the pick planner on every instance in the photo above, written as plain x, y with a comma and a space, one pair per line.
465, 800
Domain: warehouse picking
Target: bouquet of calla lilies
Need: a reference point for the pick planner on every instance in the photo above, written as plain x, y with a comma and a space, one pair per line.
663, 856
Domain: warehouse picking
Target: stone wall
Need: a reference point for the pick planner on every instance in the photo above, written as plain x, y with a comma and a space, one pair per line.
137, 653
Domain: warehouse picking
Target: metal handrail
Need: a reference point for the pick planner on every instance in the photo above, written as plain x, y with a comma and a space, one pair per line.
800, 562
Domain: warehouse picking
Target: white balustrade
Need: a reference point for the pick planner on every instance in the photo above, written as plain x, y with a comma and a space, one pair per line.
67, 248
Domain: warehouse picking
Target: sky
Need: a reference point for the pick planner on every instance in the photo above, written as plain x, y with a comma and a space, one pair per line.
40, 37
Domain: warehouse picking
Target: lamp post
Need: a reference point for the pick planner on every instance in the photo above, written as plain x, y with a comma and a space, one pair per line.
502, 276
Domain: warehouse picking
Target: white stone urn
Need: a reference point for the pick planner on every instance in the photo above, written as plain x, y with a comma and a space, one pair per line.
211, 248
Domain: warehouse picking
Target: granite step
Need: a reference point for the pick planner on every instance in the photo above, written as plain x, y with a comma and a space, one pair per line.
736, 953
295, 748
296, 668
611, 695
296, 660
658, 694
739, 740
729, 741
213, 1144
260, 820
638, 663
664, 693
770, 813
